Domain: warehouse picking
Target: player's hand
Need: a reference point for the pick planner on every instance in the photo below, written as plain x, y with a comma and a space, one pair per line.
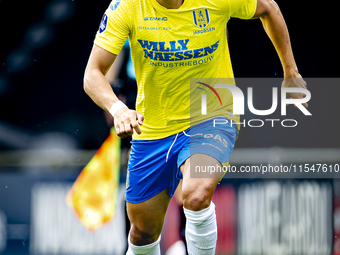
126, 120
295, 81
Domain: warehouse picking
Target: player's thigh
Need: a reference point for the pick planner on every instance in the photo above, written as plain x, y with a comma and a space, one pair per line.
147, 218
198, 188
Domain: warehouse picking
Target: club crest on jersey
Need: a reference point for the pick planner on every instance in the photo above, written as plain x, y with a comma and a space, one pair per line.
103, 24
201, 17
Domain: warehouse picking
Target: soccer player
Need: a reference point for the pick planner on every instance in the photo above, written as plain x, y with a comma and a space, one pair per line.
171, 42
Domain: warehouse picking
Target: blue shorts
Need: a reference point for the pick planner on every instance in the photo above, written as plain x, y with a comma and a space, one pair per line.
154, 165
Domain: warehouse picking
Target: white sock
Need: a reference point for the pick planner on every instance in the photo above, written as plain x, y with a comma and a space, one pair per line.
149, 249
201, 231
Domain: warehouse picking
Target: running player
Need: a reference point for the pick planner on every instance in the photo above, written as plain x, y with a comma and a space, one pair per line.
173, 41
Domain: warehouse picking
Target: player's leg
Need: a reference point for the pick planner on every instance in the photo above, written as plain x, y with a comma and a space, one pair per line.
151, 181
197, 192
146, 224
201, 226
208, 148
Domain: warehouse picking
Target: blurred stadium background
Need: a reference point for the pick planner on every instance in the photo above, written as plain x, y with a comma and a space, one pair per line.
50, 129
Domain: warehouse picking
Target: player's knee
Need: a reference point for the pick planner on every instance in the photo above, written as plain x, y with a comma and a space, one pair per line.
144, 235
197, 199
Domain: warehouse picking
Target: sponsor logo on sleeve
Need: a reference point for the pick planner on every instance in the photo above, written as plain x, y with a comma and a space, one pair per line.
103, 24
114, 5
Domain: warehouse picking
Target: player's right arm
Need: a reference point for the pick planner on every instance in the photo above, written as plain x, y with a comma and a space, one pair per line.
100, 91
114, 29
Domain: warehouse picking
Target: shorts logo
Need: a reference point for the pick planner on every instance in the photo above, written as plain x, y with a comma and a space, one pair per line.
216, 138
103, 24
201, 17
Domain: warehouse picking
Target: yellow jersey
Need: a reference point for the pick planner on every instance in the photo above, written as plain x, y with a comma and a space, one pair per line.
170, 47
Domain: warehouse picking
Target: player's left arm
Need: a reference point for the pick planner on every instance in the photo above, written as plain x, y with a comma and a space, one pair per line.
275, 26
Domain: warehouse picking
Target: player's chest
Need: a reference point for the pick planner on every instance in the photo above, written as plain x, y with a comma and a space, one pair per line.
194, 25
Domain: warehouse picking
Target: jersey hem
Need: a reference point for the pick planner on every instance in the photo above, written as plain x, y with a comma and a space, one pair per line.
147, 137
254, 7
